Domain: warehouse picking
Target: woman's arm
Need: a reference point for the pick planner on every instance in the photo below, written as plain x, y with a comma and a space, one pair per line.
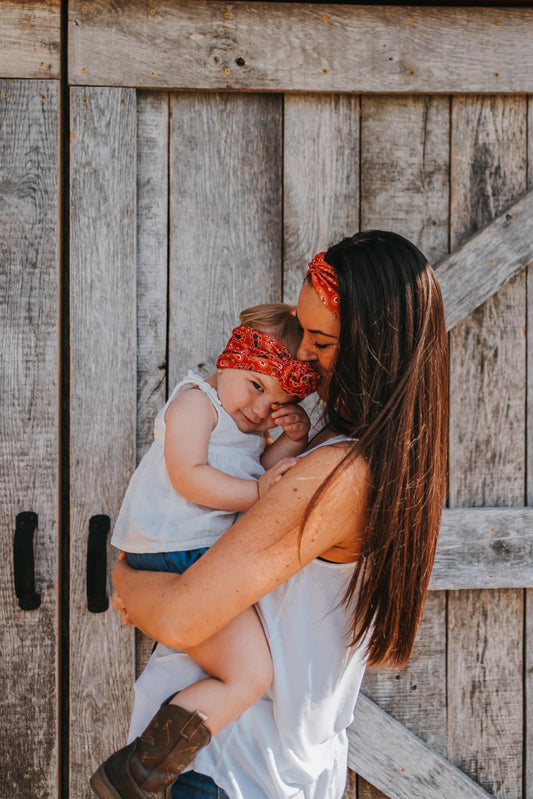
261, 551
190, 420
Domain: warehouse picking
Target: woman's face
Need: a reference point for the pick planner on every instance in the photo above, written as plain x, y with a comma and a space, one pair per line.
320, 335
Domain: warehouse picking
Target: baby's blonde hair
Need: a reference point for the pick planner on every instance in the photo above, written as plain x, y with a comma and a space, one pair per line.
277, 319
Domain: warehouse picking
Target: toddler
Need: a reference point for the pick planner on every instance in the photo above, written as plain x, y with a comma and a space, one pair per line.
206, 464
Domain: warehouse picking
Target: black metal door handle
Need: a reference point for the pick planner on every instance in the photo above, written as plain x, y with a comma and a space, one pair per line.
25, 527
97, 600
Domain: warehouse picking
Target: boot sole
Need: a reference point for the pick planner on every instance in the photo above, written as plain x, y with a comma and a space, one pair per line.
101, 785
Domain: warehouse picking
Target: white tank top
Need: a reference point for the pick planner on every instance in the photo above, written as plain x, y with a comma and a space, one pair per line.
153, 516
293, 742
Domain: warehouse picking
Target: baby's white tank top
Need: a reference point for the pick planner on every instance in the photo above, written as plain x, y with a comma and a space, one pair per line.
153, 516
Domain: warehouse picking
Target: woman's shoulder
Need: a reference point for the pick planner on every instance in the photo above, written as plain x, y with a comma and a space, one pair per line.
336, 456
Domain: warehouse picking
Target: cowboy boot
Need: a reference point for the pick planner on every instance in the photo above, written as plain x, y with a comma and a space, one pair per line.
147, 767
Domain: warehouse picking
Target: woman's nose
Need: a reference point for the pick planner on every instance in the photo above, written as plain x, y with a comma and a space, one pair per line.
305, 352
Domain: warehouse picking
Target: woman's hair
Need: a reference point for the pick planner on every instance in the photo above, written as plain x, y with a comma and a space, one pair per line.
389, 390
277, 319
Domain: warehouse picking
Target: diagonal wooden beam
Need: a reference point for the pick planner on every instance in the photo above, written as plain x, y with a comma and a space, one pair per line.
398, 763
484, 548
475, 272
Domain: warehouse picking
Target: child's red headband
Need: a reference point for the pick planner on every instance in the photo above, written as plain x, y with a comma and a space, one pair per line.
325, 283
260, 352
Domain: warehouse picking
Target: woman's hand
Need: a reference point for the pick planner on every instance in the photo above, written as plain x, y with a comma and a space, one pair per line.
118, 604
274, 475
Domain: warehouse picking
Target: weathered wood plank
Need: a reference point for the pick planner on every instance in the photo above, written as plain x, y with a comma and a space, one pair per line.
487, 438
528, 655
404, 187
350, 791
404, 169
484, 548
29, 283
152, 280
398, 763
30, 34
152, 261
300, 47
103, 405
225, 219
320, 179
488, 260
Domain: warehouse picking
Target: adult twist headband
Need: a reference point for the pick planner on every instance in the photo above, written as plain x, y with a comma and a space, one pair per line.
325, 283
260, 352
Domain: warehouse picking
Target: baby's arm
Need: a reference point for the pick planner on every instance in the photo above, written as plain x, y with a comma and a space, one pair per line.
295, 423
190, 420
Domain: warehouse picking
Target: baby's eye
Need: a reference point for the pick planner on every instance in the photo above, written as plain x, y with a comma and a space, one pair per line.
257, 386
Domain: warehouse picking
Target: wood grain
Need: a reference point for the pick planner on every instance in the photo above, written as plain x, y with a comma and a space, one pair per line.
484, 548
103, 405
485, 628
404, 169
528, 654
152, 280
320, 179
30, 34
272, 46
225, 219
350, 791
29, 284
404, 187
398, 763
487, 261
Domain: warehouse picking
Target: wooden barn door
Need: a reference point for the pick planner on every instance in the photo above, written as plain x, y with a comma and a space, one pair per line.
188, 205
29, 399
201, 180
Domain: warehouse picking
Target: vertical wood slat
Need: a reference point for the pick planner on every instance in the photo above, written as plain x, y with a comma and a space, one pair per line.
103, 404
152, 257
404, 180
29, 281
528, 654
320, 181
320, 195
225, 219
487, 452
404, 187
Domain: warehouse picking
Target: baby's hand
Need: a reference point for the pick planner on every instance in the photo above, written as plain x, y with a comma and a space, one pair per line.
274, 475
293, 419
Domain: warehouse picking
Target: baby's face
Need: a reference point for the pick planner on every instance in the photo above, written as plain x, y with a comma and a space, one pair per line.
248, 398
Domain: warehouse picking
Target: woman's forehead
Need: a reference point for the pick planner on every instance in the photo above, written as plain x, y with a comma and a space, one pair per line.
313, 314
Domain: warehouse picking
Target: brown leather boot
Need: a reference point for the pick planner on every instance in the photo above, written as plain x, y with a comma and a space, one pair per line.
146, 768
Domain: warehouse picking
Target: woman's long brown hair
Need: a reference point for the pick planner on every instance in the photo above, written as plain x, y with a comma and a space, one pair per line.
389, 390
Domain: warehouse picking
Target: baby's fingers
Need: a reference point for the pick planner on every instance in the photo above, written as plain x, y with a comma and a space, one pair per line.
283, 466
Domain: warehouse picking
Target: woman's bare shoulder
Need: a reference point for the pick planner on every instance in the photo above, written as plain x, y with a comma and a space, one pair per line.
339, 457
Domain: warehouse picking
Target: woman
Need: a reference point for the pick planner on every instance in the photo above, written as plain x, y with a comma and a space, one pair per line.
338, 556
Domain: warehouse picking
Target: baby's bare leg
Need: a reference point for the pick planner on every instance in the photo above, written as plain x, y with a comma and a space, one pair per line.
238, 661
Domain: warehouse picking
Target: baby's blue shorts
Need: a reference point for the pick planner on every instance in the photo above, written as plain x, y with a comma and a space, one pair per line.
165, 561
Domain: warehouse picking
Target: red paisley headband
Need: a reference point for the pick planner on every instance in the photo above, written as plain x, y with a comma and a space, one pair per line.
325, 283
260, 352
